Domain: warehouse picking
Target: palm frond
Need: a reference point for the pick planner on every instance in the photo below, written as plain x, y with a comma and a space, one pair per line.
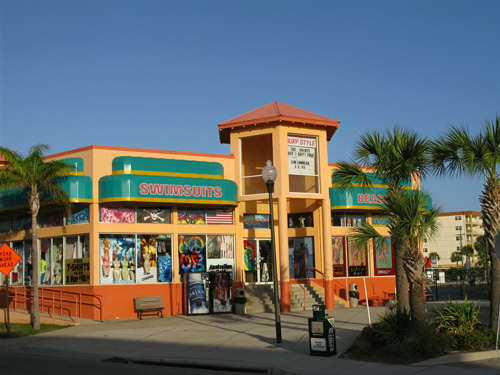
346, 176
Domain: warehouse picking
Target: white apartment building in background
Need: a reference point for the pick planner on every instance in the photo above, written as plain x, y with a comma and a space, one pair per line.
457, 229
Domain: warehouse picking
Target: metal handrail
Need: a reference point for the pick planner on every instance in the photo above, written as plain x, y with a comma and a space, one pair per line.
315, 269
54, 299
302, 288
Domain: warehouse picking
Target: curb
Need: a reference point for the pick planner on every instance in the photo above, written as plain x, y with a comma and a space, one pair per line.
459, 357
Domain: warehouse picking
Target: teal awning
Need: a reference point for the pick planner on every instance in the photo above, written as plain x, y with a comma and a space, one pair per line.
78, 188
145, 188
167, 167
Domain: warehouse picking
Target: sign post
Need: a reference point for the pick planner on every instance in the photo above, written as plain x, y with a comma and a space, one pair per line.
8, 260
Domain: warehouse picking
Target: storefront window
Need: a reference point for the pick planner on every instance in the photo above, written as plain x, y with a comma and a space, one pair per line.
384, 258
118, 257
116, 214
79, 215
5, 224
253, 221
76, 260
152, 215
45, 260
343, 219
303, 164
338, 250
357, 259
164, 253
57, 261
52, 218
190, 216
17, 274
301, 256
220, 254
192, 253
21, 222
303, 220
255, 152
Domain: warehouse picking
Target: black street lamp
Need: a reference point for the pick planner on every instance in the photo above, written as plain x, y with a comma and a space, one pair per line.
269, 175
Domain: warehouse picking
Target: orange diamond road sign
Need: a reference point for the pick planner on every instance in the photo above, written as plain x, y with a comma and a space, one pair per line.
8, 259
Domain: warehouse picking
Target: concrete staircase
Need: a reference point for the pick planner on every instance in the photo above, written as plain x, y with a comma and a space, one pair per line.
260, 298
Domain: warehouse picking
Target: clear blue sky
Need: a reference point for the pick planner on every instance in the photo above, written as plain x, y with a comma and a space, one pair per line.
162, 74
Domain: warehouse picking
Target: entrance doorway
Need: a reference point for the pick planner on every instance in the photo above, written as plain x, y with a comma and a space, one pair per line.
258, 261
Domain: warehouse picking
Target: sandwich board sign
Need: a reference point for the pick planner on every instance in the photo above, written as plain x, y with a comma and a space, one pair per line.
8, 259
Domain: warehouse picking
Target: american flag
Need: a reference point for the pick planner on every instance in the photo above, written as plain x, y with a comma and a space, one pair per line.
220, 217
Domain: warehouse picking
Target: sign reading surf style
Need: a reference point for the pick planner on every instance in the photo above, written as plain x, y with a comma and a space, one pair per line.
302, 155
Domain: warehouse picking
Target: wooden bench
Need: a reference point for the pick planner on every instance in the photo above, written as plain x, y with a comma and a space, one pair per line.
149, 306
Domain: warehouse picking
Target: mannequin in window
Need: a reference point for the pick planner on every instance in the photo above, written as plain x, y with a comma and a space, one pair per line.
116, 270
147, 263
132, 269
125, 269
302, 220
106, 264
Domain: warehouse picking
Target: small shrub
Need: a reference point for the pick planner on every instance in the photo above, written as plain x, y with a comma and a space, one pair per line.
395, 338
457, 319
477, 340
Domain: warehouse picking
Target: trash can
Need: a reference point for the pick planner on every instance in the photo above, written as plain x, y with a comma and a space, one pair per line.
353, 295
322, 340
240, 301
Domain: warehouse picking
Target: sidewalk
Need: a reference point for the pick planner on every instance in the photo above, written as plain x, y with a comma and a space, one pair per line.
226, 342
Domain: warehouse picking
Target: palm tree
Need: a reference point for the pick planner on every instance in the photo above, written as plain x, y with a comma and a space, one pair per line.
459, 153
434, 255
468, 252
395, 157
409, 223
456, 257
40, 180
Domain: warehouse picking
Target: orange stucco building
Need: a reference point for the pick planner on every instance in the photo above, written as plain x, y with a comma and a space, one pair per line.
177, 224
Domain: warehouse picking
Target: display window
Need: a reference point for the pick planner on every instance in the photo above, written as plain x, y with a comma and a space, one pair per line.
339, 257
255, 221
153, 215
76, 260
302, 220
5, 224
79, 215
118, 258
117, 214
45, 261
301, 257
135, 258
21, 222
49, 219
191, 216
357, 259
17, 273
220, 254
384, 258
341, 219
192, 253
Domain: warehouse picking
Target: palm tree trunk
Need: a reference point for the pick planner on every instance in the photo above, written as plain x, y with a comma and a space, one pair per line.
35, 261
401, 280
495, 289
417, 302
490, 212
34, 200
